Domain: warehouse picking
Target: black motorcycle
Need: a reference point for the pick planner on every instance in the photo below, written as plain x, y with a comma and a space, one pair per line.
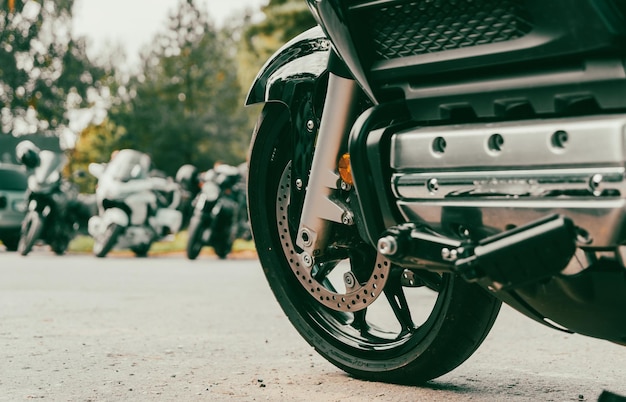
56, 212
219, 214
418, 162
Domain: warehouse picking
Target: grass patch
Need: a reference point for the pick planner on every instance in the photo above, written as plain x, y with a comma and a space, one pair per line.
84, 244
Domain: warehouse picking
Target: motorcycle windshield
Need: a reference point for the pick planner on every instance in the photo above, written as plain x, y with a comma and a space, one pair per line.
50, 167
127, 165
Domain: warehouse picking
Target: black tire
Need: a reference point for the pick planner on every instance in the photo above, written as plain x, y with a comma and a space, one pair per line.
194, 240
102, 246
31, 230
454, 326
222, 238
141, 251
11, 243
59, 247
222, 248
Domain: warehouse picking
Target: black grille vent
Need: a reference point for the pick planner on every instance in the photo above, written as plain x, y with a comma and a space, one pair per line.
429, 26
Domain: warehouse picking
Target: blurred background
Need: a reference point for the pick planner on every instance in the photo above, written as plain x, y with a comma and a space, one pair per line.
165, 77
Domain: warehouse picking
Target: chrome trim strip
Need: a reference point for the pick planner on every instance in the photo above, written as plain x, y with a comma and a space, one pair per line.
517, 183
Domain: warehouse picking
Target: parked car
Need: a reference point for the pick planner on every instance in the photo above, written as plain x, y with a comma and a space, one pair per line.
13, 184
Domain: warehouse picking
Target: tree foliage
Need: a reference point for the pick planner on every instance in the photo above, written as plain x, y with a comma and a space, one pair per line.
283, 20
44, 72
185, 105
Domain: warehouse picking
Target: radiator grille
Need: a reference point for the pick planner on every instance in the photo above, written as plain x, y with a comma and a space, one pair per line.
429, 26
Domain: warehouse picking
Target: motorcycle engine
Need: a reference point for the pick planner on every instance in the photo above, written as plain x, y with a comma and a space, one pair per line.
474, 180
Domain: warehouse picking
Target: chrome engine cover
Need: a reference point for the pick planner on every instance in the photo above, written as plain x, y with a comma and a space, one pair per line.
492, 177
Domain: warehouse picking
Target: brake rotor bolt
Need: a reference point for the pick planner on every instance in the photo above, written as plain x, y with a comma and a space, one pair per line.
310, 125
307, 260
349, 279
299, 184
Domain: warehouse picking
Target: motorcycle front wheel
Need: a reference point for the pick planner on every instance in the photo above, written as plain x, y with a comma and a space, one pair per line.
194, 239
141, 251
105, 242
31, 230
425, 325
60, 243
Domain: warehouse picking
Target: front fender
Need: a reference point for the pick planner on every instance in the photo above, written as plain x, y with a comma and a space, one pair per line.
302, 59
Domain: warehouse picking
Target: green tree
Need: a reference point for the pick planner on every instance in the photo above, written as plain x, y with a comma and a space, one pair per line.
283, 20
96, 143
185, 105
44, 72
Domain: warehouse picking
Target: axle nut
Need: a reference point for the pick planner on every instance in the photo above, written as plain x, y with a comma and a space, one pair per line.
387, 245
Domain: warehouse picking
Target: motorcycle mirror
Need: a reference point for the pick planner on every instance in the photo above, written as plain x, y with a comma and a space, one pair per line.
96, 169
27, 154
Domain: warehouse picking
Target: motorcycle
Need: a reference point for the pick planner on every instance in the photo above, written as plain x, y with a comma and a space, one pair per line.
219, 214
187, 176
417, 163
135, 209
56, 212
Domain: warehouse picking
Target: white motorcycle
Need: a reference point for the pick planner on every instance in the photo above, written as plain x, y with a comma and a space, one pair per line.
135, 209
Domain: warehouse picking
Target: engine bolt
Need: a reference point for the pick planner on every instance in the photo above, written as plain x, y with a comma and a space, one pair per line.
463, 231
347, 218
345, 186
432, 185
449, 255
594, 183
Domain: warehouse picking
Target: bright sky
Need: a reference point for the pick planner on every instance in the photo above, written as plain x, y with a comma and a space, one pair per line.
133, 23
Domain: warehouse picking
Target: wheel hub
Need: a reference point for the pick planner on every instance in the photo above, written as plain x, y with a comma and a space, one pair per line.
357, 295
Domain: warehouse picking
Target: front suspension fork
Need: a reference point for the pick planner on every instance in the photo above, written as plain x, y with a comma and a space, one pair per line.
319, 210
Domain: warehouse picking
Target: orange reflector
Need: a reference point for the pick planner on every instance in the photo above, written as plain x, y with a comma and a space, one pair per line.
344, 169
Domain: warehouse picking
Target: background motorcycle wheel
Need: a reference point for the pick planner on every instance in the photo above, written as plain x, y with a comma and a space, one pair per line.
194, 240
31, 229
222, 248
59, 246
141, 250
10, 243
103, 245
220, 238
453, 327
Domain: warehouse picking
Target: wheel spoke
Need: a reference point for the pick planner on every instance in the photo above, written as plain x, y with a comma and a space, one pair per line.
323, 269
397, 300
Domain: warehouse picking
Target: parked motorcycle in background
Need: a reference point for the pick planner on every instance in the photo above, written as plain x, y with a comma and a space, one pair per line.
188, 178
135, 209
418, 162
55, 211
219, 215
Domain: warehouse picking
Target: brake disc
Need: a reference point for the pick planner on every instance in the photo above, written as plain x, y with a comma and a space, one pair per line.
357, 295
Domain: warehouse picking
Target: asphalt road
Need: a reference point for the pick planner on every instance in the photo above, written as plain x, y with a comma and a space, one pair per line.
77, 328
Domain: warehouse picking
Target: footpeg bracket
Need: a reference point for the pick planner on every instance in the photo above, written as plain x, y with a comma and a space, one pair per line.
514, 258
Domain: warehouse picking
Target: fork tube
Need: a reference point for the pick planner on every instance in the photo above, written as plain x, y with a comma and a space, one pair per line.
319, 209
